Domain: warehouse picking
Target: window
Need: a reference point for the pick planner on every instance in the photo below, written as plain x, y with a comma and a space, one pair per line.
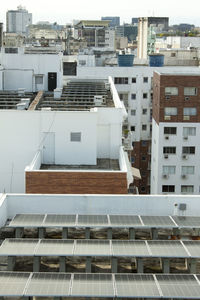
143, 189
171, 91
188, 150
168, 188
121, 80
133, 112
188, 189
123, 97
132, 128
187, 170
169, 130
39, 79
133, 144
190, 91
143, 158
145, 79
82, 62
145, 95
134, 80
75, 136
144, 111
173, 54
144, 127
144, 143
132, 159
189, 131
133, 96
69, 68
189, 111
11, 50
169, 150
170, 111
169, 170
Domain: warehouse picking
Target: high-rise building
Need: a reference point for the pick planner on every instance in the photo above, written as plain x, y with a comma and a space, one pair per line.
176, 126
18, 20
146, 34
114, 21
1, 34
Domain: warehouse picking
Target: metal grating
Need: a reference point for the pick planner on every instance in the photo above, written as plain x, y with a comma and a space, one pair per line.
60, 220
92, 220
187, 221
135, 285
13, 284
125, 221
92, 248
18, 247
55, 248
92, 285
167, 249
179, 286
49, 284
27, 220
193, 248
157, 221
130, 248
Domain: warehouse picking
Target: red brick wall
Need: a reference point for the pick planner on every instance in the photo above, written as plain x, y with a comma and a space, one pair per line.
160, 101
76, 182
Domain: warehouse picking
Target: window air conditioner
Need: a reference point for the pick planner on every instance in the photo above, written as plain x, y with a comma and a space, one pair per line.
184, 156
165, 176
166, 156
184, 176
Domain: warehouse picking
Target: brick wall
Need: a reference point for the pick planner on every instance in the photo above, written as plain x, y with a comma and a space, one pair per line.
76, 182
179, 101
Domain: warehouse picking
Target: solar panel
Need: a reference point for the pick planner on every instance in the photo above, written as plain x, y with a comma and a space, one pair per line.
167, 249
92, 248
93, 220
55, 248
92, 285
130, 248
18, 247
180, 286
187, 221
49, 284
135, 285
193, 247
13, 283
125, 221
157, 221
60, 220
27, 220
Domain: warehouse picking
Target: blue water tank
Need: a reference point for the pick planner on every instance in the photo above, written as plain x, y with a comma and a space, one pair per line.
125, 60
156, 60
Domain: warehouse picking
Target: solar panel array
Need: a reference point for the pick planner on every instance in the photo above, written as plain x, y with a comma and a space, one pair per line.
116, 248
104, 221
99, 285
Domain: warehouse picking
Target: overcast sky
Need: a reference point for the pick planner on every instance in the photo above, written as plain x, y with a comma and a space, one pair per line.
64, 11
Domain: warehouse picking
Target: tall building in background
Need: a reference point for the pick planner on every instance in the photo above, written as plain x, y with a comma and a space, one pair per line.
147, 27
176, 128
114, 21
1, 34
18, 20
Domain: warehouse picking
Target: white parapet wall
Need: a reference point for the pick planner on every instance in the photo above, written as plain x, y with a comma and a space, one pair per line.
155, 205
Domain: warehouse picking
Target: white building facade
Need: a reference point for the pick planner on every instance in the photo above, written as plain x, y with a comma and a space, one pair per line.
18, 20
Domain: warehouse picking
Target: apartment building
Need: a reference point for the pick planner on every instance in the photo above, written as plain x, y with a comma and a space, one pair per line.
135, 89
18, 20
176, 128
97, 33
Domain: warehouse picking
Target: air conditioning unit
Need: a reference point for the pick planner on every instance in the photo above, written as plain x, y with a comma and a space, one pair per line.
186, 118
165, 176
166, 137
165, 155
187, 98
184, 176
167, 118
167, 97
184, 156
185, 137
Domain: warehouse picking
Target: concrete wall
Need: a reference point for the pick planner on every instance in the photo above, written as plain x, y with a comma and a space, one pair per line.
21, 68
23, 133
100, 204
